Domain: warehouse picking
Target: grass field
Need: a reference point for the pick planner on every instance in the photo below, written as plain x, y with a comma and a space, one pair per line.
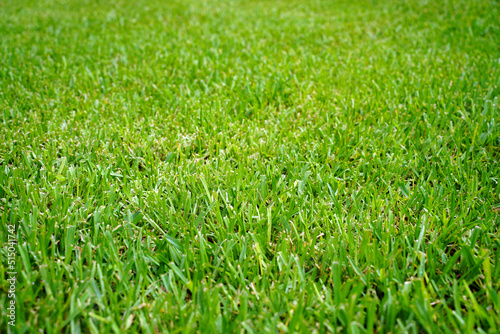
250, 166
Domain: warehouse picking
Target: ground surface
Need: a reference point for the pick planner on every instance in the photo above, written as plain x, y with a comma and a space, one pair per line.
251, 166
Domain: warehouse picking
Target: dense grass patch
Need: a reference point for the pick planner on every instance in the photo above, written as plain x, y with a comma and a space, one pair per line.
251, 166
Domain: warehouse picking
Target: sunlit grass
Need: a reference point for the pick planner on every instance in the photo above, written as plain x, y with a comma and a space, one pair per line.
251, 166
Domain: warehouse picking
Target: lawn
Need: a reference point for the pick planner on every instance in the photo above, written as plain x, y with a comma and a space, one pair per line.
250, 166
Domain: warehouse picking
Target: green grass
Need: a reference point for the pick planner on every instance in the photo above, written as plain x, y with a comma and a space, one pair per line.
251, 166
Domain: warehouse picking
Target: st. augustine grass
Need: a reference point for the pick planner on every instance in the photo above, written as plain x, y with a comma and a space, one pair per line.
251, 166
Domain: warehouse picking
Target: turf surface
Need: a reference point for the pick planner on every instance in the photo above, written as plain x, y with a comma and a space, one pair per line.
251, 166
